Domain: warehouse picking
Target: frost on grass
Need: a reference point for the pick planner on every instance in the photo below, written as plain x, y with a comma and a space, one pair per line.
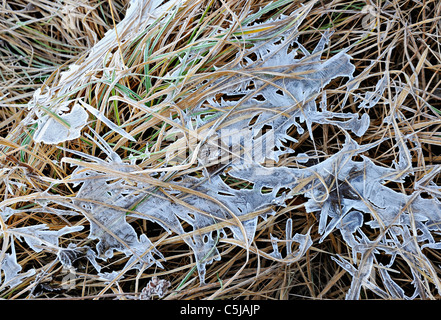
277, 87
281, 102
55, 123
11, 271
344, 192
107, 199
37, 237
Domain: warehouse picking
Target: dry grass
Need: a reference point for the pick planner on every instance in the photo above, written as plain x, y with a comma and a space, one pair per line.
39, 39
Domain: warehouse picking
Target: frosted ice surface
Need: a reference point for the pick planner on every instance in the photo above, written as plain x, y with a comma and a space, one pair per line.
347, 190
352, 188
371, 98
11, 270
38, 236
278, 103
304, 242
52, 131
99, 191
95, 197
110, 227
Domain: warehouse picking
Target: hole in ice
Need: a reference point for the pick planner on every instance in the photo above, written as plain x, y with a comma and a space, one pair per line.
225, 194
112, 182
152, 229
253, 120
232, 97
425, 195
251, 86
186, 226
394, 185
251, 57
299, 54
86, 206
282, 190
266, 128
155, 175
236, 183
265, 190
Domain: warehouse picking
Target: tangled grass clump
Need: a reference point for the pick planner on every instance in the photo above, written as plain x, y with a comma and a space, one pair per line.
206, 149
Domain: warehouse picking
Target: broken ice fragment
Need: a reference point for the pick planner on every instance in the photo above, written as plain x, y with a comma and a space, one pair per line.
72, 253
38, 236
304, 241
353, 293
99, 199
53, 131
6, 212
11, 270
392, 287
371, 98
